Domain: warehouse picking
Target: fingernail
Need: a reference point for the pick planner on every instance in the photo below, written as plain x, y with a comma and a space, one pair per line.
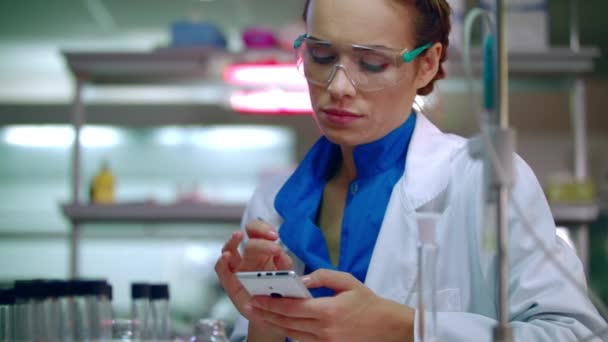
306, 280
273, 234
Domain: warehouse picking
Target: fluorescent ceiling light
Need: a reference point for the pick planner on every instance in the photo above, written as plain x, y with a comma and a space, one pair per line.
202, 254
229, 137
273, 101
171, 136
241, 137
59, 136
269, 75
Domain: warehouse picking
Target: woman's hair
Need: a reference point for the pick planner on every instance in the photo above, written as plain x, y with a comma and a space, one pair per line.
432, 25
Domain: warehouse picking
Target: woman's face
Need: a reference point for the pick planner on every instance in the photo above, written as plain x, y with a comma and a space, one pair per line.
345, 114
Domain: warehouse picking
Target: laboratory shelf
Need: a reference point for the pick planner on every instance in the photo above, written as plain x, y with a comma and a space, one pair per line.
154, 213
198, 65
556, 60
575, 214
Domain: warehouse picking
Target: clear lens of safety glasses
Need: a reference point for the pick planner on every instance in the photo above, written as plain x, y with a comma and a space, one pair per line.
369, 69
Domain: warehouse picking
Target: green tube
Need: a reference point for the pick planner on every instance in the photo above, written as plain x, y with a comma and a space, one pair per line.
489, 95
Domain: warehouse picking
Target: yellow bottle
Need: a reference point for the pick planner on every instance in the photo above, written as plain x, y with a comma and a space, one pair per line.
102, 187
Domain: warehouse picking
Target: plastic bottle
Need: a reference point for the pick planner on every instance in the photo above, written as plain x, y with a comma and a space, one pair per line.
102, 186
159, 309
209, 330
427, 277
140, 310
7, 315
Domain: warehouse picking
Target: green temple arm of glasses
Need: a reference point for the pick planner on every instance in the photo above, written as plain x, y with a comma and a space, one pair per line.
298, 41
409, 56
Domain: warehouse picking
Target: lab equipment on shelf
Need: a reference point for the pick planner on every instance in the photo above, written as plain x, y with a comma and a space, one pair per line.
102, 185
159, 310
7, 314
56, 310
89, 299
81, 310
140, 310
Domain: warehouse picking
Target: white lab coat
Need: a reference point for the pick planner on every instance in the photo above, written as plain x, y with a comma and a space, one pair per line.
543, 305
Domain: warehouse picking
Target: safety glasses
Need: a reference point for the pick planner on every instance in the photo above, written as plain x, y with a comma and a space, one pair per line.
368, 68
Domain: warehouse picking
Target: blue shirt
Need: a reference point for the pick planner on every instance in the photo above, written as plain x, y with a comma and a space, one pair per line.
380, 164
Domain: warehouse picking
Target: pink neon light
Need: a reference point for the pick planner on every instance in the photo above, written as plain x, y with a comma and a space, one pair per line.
274, 101
261, 74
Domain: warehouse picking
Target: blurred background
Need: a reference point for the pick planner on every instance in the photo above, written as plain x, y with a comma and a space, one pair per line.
172, 117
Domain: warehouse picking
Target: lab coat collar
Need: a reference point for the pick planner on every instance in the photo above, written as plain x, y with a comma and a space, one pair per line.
426, 177
427, 170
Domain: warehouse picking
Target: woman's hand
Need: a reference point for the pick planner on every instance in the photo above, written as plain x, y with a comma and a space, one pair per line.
355, 313
261, 252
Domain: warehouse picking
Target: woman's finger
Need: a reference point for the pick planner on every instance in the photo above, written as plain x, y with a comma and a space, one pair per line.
258, 252
258, 229
283, 261
288, 325
231, 284
335, 280
233, 243
262, 246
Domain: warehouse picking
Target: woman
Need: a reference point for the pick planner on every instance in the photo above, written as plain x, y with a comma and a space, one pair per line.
346, 215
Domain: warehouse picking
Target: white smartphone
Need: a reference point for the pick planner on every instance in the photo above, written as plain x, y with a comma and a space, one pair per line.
277, 284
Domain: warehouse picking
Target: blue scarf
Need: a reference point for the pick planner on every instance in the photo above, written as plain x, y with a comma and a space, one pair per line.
380, 164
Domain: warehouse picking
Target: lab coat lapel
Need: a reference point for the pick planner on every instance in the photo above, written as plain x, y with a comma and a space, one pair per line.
393, 267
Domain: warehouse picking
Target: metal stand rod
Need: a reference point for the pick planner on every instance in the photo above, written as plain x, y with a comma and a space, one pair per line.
77, 122
75, 251
502, 332
574, 36
578, 114
579, 128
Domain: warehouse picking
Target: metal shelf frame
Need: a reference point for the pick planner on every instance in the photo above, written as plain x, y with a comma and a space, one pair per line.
155, 213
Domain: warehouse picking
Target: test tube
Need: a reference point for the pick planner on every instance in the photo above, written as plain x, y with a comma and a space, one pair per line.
107, 313
159, 309
7, 315
86, 303
95, 299
41, 306
427, 277
24, 327
140, 310
78, 312
62, 309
